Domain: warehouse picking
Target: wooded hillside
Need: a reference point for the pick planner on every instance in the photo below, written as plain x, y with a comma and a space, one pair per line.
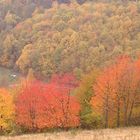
51, 38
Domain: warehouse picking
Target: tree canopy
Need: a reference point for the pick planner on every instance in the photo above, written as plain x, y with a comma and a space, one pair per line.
67, 37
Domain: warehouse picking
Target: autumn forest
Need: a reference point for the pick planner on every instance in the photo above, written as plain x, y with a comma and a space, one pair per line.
76, 65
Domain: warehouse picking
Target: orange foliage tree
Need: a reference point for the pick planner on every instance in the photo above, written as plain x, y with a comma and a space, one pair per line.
30, 106
51, 105
117, 91
62, 108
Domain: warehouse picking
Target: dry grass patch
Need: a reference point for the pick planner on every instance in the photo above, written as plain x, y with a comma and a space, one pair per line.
106, 134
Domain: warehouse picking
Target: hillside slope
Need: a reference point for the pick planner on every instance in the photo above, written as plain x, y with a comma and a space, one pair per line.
66, 37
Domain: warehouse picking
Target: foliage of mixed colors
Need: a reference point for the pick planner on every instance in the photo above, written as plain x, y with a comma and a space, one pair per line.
81, 60
66, 37
108, 97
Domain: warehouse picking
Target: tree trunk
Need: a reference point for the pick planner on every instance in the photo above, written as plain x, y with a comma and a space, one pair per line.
125, 113
131, 110
118, 112
106, 111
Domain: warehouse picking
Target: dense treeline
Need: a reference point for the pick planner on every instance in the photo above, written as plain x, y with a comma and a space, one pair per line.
108, 97
65, 37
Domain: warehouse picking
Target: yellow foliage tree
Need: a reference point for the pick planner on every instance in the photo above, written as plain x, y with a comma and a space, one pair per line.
6, 110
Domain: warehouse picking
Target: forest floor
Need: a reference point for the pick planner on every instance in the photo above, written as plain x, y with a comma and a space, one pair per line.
132, 133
